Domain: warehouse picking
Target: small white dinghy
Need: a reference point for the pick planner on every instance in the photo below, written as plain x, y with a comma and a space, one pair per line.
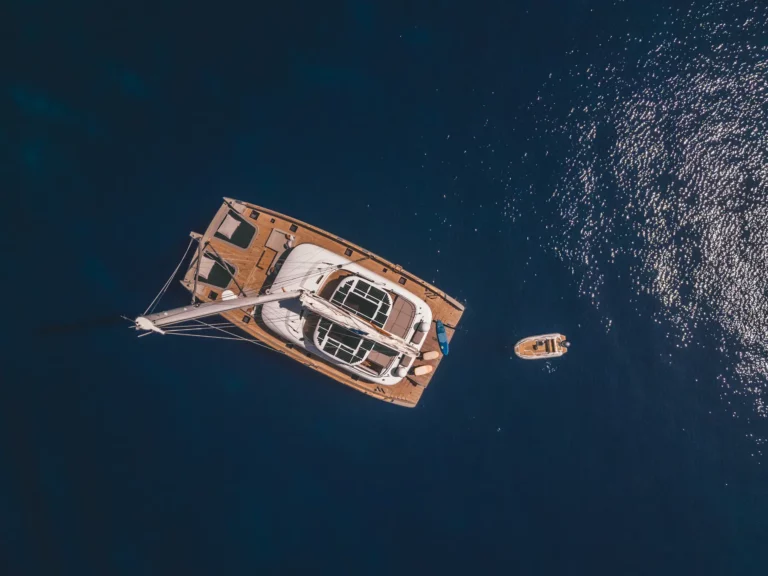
542, 347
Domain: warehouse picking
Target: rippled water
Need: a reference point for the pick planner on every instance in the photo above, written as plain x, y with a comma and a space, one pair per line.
662, 175
667, 171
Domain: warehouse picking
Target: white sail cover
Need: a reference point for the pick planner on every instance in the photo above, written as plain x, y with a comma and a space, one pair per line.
308, 300
187, 313
351, 322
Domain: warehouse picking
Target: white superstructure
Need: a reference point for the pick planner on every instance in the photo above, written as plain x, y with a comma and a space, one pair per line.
368, 326
332, 308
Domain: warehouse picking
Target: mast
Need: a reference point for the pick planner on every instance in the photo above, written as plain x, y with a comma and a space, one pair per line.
156, 321
321, 307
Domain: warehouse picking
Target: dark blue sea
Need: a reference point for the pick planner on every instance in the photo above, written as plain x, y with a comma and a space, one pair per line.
597, 168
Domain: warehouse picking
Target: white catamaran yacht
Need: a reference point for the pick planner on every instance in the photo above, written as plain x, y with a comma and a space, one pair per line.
314, 297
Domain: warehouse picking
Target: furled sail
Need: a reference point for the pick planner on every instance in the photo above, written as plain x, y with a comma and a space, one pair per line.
156, 321
309, 300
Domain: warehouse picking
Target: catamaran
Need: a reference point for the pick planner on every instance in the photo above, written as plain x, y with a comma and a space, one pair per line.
309, 295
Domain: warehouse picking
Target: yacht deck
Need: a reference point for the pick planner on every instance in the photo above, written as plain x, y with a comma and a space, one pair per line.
254, 271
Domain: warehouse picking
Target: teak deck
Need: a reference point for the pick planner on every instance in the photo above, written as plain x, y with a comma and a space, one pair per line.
253, 269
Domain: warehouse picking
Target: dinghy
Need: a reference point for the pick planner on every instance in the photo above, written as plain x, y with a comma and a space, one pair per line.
541, 347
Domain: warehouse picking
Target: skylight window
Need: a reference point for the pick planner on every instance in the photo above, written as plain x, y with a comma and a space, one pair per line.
235, 230
215, 271
364, 300
341, 343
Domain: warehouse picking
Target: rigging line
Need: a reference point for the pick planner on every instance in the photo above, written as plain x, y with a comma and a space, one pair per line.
183, 325
168, 316
222, 330
238, 260
191, 329
226, 267
253, 341
300, 276
276, 284
256, 291
235, 210
170, 279
321, 271
251, 291
197, 267
168, 283
202, 336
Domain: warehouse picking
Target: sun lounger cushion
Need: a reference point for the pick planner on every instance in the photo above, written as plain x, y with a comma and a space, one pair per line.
228, 227
206, 265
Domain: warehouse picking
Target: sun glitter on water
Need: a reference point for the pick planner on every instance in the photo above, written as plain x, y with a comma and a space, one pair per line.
645, 166
666, 169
